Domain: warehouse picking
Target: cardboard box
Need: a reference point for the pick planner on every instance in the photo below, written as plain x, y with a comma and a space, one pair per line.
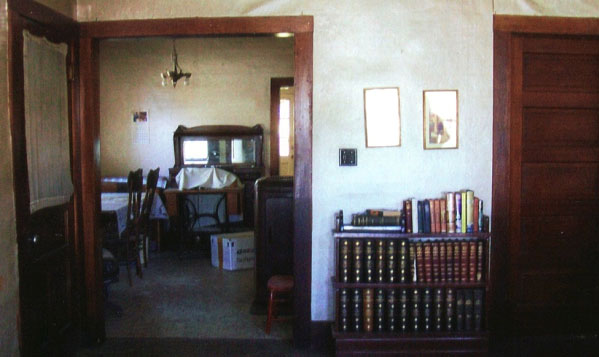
233, 251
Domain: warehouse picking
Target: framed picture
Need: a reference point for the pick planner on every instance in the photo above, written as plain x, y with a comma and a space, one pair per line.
381, 117
440, 126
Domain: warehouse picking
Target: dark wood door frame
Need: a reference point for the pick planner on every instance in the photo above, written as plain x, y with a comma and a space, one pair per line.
505, 29
275, 103
92, 33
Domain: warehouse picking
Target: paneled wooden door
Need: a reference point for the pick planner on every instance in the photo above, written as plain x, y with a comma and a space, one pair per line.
553, 245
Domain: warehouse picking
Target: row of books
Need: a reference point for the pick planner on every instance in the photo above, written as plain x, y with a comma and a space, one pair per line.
456, 212
401, 261
410, 310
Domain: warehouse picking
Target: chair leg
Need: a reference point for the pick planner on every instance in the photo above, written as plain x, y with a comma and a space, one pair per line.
270, 312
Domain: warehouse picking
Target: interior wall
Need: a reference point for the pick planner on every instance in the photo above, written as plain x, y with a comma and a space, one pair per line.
230, 84
9, 280
414, 45
65, 7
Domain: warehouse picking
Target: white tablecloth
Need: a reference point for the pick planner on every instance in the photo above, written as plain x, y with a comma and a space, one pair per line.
118, 202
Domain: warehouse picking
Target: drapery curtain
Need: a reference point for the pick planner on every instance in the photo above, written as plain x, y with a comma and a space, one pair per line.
46, 122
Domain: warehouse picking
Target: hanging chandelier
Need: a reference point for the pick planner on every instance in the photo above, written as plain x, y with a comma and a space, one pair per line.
172, 76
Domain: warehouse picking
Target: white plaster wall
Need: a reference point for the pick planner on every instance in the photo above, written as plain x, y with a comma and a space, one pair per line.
65, 7
9, 280
230, 84
415, 45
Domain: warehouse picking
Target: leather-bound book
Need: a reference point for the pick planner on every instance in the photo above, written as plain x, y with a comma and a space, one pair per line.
404, 323
442, 261
391, 310
369, 257
414, 273
356, 310
344, 317
478, 309
457, 268
449, 263
450, 212
408, 213
472, 261
427, 309
379, 310
420, 262
415, 216
438, 309
436, 261
380, 260
433, 216
428, 263
459, 310
443, 211
344, 260
469, 211
416, 323
464, 261
368, 310
403, 261
476, 211
450, 309
391, 261
437, 215
357, 261
458, 212
427, 216
468, 310
480, 250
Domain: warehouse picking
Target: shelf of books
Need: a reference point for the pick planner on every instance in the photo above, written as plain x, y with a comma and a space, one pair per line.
412, 292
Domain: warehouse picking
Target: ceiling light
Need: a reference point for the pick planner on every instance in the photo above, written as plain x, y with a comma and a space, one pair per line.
172, 76
283, 34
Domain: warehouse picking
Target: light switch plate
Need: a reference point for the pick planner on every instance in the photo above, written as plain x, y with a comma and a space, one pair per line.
348, 157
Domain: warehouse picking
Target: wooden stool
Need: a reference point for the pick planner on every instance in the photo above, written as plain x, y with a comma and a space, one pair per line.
277, 285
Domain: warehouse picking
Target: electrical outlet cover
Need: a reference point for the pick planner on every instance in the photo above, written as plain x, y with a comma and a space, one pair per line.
348, 157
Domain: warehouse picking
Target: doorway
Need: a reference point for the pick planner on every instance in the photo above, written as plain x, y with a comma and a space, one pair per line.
282, 139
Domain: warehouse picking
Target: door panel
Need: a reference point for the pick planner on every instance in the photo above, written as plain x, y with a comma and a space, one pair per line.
553, 280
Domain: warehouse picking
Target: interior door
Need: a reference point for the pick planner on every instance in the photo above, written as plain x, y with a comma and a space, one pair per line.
45, 237
553, 284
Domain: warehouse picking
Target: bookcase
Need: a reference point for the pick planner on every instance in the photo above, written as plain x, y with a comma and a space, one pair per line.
408, 294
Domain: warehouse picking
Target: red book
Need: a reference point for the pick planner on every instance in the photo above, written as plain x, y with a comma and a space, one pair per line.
443, 208
420, 262
479, 260
475, 208
463, 261
456, 261
449, 264
437, 211
428, 263
436, 261
472, 261
442, 262
407, 205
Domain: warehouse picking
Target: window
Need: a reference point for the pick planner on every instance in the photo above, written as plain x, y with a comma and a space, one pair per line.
195, 152
284, 130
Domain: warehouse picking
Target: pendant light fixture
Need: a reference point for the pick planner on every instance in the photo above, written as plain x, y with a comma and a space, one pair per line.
172, 76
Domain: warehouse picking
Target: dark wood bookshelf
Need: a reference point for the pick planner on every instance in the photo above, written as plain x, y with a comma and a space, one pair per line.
411, 342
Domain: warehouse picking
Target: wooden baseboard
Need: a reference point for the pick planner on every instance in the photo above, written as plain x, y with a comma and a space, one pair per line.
322, 337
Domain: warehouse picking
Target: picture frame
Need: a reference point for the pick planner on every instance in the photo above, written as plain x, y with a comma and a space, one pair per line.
440, 119
382, 120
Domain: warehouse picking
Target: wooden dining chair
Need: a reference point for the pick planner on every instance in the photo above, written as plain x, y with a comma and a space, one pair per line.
131, 237
146, 210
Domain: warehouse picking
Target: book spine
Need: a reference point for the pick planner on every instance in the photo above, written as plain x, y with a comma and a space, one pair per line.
415, 310
457, 268
469, 211
420, 261
428, 263
368, 220
438, 309
344, 318
459, 310
478, 310
369, 258
450, 309
357, 261
442, 261
415, 216
344, 260
408, 213
391, 262
472, 261
485, 224
380, 261
368, 309
436, 261
437, 210
404, 323
458, 212
356, 303
413, 268
420, 216
463, 261
468, 310
451, 215
403, 261
476, 204
391, 310
443, 208
464, 211
449, 264
480, 216
427, 309
427, 216
379, 310
480, 247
